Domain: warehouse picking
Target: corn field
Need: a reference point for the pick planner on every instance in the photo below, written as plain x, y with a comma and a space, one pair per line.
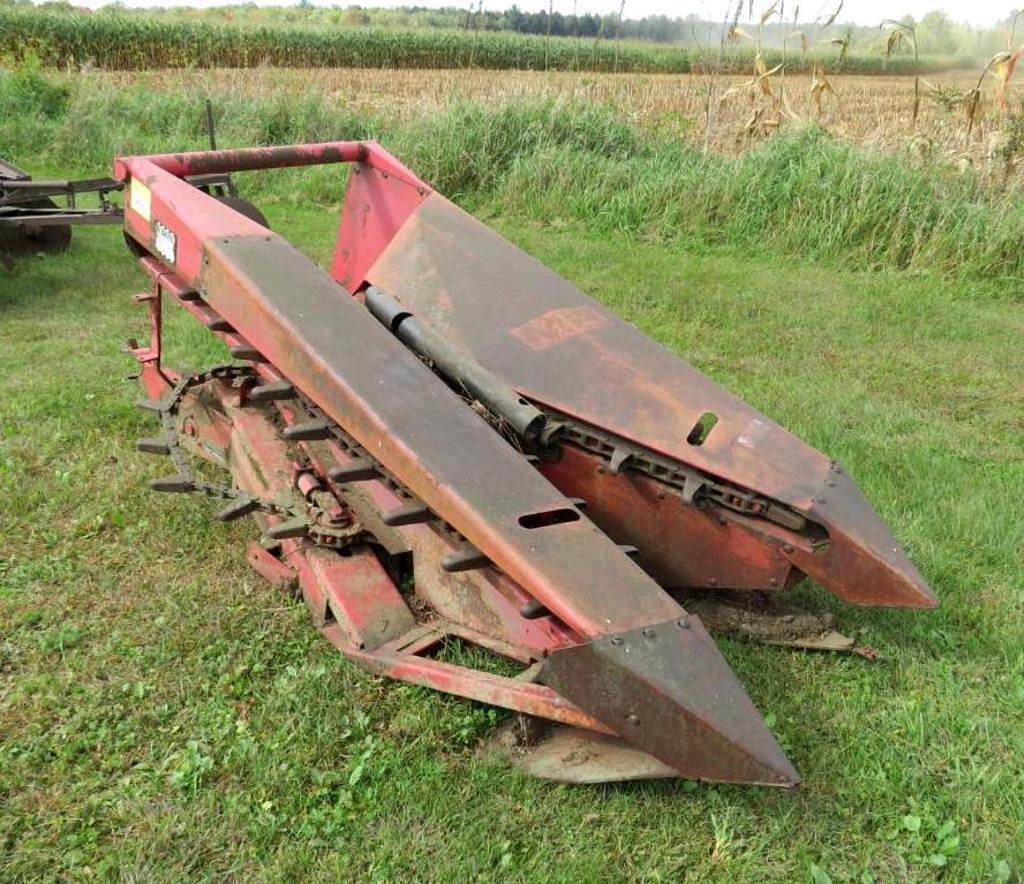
131, 43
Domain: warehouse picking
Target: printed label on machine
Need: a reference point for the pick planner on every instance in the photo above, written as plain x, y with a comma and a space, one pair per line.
164, 242
140, 199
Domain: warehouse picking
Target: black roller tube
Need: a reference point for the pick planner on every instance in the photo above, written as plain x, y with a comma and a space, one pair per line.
499, 398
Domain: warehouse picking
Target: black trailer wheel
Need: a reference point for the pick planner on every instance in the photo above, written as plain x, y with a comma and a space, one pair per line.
244, 207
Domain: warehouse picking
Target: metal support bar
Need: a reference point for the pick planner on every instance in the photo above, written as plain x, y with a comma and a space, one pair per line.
499, 398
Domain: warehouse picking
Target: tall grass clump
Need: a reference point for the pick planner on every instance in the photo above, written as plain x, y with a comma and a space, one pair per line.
469, 150
804, 193
30, 106
125, 121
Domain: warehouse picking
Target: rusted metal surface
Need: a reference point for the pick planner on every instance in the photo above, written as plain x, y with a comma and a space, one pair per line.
270, 567
580, 757
364, 621
380, 197
349, 595
497, 690
484, 599
391, 403
30, 221
541, 335
210, 162
678, 545
353, 589
662, 689
24, 231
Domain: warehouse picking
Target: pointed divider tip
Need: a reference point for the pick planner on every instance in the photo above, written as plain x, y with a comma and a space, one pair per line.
667, 690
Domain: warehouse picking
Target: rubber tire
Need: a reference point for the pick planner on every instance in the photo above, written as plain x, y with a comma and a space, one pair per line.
244, 207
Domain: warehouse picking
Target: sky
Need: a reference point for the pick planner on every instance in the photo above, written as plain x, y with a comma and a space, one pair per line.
862, 12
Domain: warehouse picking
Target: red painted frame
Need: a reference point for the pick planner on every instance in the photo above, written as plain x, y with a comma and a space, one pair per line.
277, 311
404, 191
326, 581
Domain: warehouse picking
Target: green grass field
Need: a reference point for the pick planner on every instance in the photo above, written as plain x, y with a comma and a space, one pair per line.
165, 715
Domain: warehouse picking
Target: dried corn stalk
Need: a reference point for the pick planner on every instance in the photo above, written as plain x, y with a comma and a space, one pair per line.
737, 33
763, 75
1001, 67
831, 19
971, 105
760, 124
804, 45
844, 45
901, 34
769, 12
820, 86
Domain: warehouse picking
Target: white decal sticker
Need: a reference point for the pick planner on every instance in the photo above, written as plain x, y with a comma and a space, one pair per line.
165, 242
140, 199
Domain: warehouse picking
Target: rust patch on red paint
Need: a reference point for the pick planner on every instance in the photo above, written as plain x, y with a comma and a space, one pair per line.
544, 331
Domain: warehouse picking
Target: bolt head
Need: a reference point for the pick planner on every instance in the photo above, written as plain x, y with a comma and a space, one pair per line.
633, 719
683, 622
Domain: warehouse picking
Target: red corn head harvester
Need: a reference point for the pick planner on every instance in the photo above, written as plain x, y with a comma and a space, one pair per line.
443, 440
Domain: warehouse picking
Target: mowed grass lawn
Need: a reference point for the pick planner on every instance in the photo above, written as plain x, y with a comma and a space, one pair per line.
165, 715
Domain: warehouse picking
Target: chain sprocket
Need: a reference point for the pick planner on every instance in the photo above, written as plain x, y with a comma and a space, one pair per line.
309, 518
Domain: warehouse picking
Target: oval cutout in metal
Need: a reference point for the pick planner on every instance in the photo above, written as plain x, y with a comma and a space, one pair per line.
702, 429
549, 517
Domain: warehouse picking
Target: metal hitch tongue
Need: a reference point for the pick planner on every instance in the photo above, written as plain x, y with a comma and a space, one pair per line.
667, 690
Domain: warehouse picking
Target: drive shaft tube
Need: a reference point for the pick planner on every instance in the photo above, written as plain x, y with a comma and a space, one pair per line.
500, 399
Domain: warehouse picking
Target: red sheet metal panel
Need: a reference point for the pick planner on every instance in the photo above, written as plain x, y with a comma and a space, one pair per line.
418, 428
556, 345
566, 352
680, 546
283, 311
307, 327
377, 203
